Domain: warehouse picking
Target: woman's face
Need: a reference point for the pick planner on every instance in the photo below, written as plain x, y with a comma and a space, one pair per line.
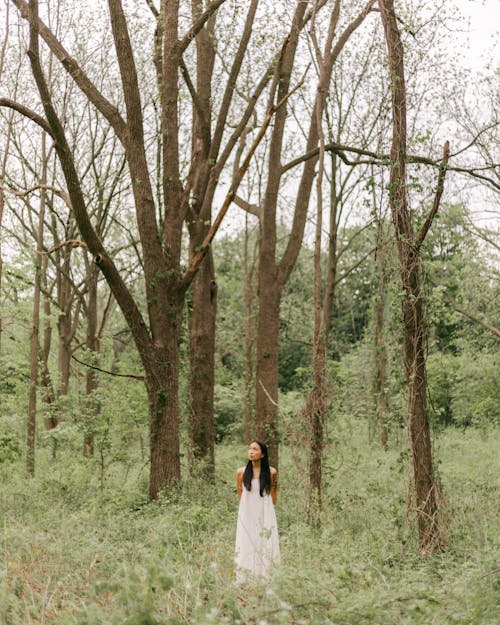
255, 452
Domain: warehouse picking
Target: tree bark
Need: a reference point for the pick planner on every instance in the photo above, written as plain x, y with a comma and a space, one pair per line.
206, 164
34, 342
162, 384
48, 395
202, 311
249, 299
165, 282
91, 381
202, 365
380, 365
273, 275
3, 167
268, 287
316, 403
414, 327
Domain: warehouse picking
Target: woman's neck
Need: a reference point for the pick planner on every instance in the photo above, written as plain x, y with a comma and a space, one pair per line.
256, 468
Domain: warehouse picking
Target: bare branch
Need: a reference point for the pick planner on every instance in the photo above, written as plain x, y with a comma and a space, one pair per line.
188, 276
475, 138
465, 313
47, 187
27, 112
192, 91
355, 266
141, 378
154, 10
198, 25
437, 198
72, 242
109, 111
253, 209
384, 159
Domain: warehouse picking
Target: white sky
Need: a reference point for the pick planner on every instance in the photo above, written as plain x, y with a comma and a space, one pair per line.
482, 42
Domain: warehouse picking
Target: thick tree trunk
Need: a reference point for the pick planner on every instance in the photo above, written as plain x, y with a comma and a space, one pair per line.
266, 376
273, 273
249, 388
266, 383
414, 356
162, 384
202, 365
414, 337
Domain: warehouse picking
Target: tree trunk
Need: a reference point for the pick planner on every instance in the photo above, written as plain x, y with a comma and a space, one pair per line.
6, 146
64, 353
414, 338
68, 314
249, 299
162, 384
266, 376
414, 357
266, 382
31, 429
202, 363
380, 373
34, 342
46, 386
164, 280
91, 382
275, 274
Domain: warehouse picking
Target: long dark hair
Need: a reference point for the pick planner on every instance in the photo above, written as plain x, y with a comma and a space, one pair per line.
265, 471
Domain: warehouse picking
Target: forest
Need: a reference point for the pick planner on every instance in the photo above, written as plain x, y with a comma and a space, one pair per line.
224, 221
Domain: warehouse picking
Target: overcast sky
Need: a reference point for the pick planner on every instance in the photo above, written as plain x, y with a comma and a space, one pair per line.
482, 41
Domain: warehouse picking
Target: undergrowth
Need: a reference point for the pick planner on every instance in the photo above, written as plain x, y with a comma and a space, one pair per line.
73, 553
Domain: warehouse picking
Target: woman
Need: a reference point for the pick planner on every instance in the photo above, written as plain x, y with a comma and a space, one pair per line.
257, 544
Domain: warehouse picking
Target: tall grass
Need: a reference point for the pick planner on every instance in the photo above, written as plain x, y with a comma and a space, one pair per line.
72, 554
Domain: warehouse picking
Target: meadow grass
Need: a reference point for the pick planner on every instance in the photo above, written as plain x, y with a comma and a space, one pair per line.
72, 554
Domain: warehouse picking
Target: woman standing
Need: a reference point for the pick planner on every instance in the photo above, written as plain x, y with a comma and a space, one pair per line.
257, 544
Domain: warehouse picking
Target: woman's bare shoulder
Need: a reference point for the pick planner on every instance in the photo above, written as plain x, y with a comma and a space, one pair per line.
240, 471
273, 471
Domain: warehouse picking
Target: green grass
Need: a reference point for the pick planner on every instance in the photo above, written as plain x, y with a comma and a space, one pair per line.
71, 554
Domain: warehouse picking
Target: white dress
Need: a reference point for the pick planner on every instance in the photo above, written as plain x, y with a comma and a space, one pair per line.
257, 543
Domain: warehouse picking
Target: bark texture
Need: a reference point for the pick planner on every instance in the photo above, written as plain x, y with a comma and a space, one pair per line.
414, 326
380, 365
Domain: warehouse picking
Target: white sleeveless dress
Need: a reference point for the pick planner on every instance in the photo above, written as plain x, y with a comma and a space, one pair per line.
257, 543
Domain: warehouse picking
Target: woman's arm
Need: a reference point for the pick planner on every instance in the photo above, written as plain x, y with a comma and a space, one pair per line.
239, 482
274, 484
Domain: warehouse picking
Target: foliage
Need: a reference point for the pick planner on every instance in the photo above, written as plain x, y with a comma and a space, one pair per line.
73, 555
228, 410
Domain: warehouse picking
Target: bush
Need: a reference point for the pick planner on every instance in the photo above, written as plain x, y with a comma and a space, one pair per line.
10, 448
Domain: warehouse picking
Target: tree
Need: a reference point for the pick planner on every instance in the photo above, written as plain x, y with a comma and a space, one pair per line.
165, 281
273, 274
414, 327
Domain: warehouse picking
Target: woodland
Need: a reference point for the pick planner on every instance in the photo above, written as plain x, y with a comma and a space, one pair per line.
227, 220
